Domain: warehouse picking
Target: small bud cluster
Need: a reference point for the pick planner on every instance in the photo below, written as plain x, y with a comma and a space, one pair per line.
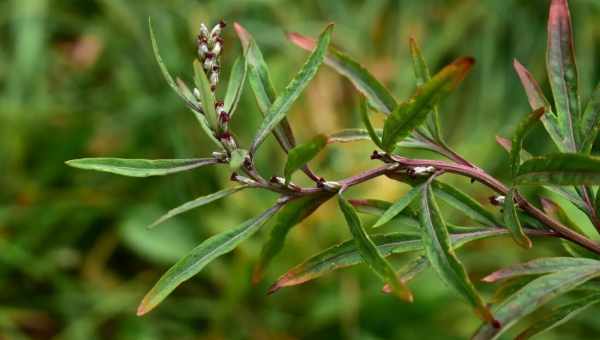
210, 46
420, 171
497, 200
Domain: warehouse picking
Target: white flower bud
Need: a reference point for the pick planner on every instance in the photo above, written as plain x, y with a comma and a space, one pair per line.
204, 30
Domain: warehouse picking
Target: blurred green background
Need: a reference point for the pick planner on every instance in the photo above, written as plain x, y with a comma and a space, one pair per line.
77, 79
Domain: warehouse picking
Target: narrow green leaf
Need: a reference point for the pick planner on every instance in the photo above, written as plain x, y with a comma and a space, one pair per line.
523, 128
410, 114
140, 167
511, 219
302, 154
181, 89
195, 203
562, 72
364, 115
560, 169
378, 96
590, 122
199, 257
262, 86
206, 95
355, 135
290, 215
559, 316
534, 295
399, 206
283, 103
369, 252
440, 252
464, 203
346, 254
235, 86
538, 267
422, 75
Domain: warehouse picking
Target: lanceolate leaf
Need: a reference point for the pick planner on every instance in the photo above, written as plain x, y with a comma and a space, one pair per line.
207, 97
439, 250
292, 214
410, 270
397, 207
422, 74
562, 72
560, 169
199, 257
235, 86
590, 122
283, 103
302, 154
193, 204
346, 254
260, 82
534, 295
370, 253
410, 114
379, 97
537, 100
559, 316
364, 115
511, 218
523, 128
140, 167
539, 267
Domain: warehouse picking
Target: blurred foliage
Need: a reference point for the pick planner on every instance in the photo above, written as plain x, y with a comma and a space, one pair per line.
77, 78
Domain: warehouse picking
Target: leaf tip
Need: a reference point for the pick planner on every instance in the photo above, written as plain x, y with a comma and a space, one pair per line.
505, 143
274, 288
301, 41
242, 34
257, 274
143, 308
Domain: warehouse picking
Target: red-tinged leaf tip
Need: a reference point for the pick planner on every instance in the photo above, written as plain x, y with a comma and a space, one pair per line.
505, 143
143, 308
274, 288
486, 315
386, 289
302, 41
242, 34
559, 14
463, 65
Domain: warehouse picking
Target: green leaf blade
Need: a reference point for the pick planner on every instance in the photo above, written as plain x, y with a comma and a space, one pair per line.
560, 169
398, 206
199, 257
235, 86
370, 253
206, 94
302, 154
512, 221
140, 167
410, 114
277, 112
538, 267
590, 122
364, 115
526, 124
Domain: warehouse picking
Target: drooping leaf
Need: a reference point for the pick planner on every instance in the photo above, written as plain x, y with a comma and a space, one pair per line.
181, 89
195, 203
410, 114
560, 169
398, 206
523, 128
511, 219
284, 101
464, 203
364, 115
562, 72
590, 122
199, 257
260, 82
206, 95
440, 252
140, 167
558, 316
534, 295
235, 86
369, 252
302, 154
422, 75
379, 97
346, 254
538, 267
291, 215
